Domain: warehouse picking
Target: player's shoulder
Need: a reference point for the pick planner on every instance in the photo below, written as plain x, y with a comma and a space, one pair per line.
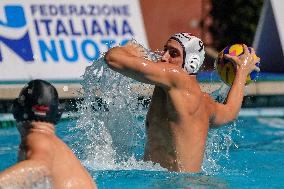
178, 77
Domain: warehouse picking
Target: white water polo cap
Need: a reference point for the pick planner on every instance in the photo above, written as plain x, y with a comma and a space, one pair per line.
193, 51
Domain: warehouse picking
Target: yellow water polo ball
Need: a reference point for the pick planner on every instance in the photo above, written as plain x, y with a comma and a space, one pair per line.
227, 70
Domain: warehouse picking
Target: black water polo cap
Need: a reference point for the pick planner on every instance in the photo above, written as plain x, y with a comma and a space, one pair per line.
38, 101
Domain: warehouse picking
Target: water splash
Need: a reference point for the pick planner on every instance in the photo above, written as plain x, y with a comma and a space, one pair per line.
221, 93
108, 133
219, 141
218, 146
43, 183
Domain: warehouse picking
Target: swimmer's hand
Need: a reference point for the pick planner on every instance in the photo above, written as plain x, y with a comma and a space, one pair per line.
246, 62
135, 49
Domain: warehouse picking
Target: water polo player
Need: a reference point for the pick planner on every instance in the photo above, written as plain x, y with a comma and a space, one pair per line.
179, 114
42, 155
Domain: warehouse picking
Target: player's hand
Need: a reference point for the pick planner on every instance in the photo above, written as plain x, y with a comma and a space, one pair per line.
246, 62
135, 49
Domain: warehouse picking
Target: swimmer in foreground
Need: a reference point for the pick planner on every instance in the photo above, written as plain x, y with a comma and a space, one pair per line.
42, 155
180, 113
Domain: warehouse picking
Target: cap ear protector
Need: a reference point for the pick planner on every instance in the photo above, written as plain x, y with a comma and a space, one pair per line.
193, 51
193, 63
38, 101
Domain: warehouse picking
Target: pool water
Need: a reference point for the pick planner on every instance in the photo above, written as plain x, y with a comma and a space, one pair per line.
252, 157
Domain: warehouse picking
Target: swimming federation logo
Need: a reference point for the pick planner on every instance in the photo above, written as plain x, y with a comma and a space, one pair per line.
14, 32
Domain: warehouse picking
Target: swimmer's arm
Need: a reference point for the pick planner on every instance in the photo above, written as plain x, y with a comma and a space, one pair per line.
36, 167
131, 62
225, 113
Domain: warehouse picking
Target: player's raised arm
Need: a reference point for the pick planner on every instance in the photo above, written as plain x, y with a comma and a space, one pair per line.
130, 60
245, 64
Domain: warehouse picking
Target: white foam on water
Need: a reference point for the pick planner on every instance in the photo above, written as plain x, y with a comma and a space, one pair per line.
130, 164
42, 184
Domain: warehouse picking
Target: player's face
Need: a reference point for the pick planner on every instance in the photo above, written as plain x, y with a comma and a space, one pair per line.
173, 53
